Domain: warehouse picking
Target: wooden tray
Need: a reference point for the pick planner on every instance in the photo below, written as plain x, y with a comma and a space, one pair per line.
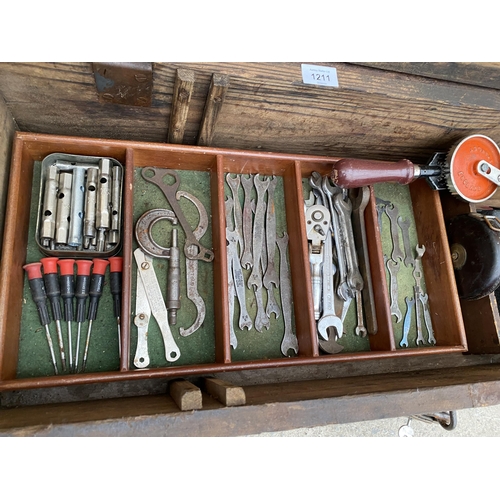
28, 148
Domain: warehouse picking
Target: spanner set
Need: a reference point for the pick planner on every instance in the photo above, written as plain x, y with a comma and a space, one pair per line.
80, 211
339, 261
404, 263
149, 299
251, 245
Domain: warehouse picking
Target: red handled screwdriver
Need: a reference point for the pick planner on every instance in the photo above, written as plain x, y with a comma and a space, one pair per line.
115, 286
81, 294
95, 292
67, 285
51, 281
37, 287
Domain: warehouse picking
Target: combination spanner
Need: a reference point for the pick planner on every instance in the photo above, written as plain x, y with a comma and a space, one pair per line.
329, 317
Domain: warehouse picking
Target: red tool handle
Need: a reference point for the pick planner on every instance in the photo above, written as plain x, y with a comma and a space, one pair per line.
351, 173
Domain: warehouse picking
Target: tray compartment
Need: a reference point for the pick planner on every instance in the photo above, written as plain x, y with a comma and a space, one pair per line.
29, 148
199, 347
267, 344
382, 340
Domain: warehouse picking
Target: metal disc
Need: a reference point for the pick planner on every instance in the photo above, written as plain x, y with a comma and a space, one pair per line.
463, 177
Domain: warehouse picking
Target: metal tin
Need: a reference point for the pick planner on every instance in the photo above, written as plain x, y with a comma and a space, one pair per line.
79, 246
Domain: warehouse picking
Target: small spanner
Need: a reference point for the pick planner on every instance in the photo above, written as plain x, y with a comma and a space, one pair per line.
410, 302
417, 274
234, 185
247, 258
405, 226
424, 298
393, 268
239, 283
393, 214
289, 341
344, 291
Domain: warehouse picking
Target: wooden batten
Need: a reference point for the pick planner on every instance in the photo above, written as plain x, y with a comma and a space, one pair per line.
213, 106
183, 90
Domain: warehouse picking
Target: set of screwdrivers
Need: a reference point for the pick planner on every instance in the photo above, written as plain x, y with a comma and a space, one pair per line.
53, 279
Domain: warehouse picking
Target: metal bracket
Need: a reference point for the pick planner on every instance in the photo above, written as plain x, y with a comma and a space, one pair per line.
124, 82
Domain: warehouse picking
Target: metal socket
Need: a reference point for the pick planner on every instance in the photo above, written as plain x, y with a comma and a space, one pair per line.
49, 206
63, 207
76, 211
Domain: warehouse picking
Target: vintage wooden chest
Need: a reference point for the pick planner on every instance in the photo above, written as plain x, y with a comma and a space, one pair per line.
207, 121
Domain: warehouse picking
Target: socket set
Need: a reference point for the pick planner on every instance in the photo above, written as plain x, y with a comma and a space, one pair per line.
80, 206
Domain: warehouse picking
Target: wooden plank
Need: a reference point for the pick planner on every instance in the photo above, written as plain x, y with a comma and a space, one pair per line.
373, 114
183, 90
270, 407
186, 395
8, 127
213, 106
225, 392
484, 74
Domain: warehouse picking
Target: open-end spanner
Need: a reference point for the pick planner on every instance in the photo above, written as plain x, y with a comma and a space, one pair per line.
141, 320
234, 185
255, 278
329, 317
417, 274
192, 266
393, 213
359, 204
344, 211
380, 205
231, 294
410, 302
157, 176
272, 305
405, 226
289, 341
424, 298
155, 298
393, 268
360, 330
239, 283
271, 279
344, 291
247, 258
